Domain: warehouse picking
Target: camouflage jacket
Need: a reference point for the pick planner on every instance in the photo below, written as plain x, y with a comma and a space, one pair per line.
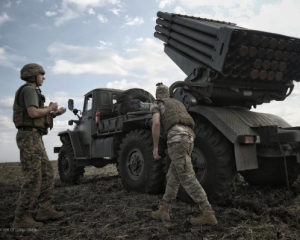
178, 133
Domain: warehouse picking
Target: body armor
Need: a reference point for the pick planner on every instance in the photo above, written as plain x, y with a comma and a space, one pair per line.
175, 113
22, 119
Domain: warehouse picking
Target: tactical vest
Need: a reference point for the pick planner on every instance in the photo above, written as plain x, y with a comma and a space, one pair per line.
175, 113
22, 119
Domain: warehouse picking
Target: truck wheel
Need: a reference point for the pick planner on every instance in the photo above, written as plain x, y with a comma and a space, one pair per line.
213, 162
68, 171
134, 93
138, 169
271, 171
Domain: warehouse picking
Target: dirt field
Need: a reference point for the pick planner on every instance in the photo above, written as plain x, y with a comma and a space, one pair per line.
100, 208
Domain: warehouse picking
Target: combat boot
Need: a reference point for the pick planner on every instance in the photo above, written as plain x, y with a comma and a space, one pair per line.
207, 216
48, 213
163, 212
26, 222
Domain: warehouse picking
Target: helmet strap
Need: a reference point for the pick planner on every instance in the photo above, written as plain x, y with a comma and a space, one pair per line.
30, 81
37, 84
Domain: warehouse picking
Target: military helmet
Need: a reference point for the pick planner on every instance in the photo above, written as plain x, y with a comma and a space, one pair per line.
162, 91
31, 70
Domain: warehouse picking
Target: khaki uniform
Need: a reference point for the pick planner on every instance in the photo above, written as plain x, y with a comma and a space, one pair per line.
36, 167
180, 140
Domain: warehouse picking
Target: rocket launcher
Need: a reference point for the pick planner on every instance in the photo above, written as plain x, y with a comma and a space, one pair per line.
246, 67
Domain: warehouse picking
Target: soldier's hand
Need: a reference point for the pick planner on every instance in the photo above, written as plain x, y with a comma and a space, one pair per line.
53, 106
155, 154
60, 111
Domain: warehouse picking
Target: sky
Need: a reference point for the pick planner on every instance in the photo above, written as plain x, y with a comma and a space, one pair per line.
90, 44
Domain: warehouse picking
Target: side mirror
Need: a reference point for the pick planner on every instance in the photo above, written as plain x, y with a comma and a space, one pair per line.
71, 104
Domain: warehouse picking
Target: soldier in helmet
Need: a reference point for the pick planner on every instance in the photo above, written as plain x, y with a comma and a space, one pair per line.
33, 119
174, 124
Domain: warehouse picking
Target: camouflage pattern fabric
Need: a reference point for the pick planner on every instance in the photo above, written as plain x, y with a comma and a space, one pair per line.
178, 133
181, 172
31, 70
162, 91
158, 107
25, 95
37, 170
181, 134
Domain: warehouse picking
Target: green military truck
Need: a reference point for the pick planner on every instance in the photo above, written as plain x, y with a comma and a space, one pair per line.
229, 71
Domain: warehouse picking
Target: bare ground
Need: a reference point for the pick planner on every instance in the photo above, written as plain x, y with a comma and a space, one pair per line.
100, 208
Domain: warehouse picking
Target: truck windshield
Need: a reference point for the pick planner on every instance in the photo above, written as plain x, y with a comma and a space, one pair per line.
88, 103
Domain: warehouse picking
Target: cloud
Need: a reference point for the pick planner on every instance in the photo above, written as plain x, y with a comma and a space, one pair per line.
287, 8
79, 60
180, 10
104, 44
4, 18
67, 15
142, 57
72, 9
228, 3
164, 3
9, 59
115, 11
91, 11
60, 97
102, 18
248, 15
82, 5
133, 21
34, 25
7, 129
6, 104
8, 4
138, 67
130, 49
123, 84
50, 14
288, 110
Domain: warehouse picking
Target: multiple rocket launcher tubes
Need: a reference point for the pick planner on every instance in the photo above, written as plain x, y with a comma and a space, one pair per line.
251, 55
262, 57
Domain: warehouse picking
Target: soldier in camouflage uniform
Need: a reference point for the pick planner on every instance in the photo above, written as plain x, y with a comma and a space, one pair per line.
33, 119
173, 123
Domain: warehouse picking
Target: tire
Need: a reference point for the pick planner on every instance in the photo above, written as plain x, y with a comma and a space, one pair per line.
138, 169
134, 93
271, 171
68, 171
214, 165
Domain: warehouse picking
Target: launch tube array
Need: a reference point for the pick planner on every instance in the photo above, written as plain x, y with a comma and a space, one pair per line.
248, 55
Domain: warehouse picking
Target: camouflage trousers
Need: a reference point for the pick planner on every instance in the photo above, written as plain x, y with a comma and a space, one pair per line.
37, 171
181, 172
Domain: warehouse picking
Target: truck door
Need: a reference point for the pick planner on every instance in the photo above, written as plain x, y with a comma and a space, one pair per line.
87, 118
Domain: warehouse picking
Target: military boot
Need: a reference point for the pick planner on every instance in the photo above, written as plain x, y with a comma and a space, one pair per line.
26, 222
48, 213
163, 212
207, 216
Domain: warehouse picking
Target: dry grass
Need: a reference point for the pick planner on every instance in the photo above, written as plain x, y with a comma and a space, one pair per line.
100, 208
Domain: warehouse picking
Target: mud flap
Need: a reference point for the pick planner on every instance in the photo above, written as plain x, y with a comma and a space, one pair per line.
246, 157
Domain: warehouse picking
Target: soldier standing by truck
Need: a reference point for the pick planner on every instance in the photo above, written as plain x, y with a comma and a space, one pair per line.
33, 119
172, 121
